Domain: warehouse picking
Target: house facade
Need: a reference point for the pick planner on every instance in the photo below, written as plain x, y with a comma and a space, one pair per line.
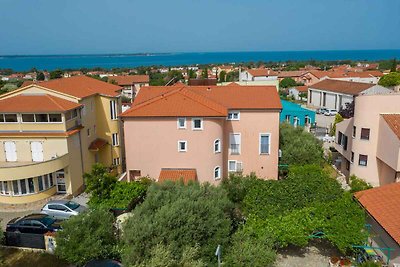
52, 132
252, 75
369, 143
131, 83
335, 94
296, 115
207, 131
314, 76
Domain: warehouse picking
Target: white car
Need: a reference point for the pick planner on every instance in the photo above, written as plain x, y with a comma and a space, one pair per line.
330, 112
62, 209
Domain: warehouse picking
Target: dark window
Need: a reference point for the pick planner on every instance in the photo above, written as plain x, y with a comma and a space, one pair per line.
51, 179
40, 182
354, 131
347, 165
352, 157
365, 133
339, 139
28, 117
10, 118
57, 207
31, 185
23, 186
42, 118
55, 117
363, 160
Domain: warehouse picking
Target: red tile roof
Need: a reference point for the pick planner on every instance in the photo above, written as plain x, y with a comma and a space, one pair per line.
82, 86
345, 87
288, 74
129, 79
302, 89
343, 74
211, 101
175, 175
383, 204
261, 72
393, 120
36, 103
97, 144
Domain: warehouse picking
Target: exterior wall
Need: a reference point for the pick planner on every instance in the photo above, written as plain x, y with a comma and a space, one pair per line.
333, 100
359, 79
294, 110
152, 144
250, 125
381, 148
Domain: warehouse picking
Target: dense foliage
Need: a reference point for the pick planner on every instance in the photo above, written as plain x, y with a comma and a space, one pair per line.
338, 118
87, 236
287, 82
99, 182
357, 184
55, 74
389, 80
299, 147
178, 216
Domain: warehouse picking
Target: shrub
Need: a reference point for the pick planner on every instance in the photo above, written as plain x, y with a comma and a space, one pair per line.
99, 182
357, 184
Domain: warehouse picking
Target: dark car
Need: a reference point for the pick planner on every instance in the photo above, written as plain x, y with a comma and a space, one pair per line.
103, 263
34, 224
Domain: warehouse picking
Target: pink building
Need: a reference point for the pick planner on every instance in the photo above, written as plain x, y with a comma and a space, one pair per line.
202, 132
369, 143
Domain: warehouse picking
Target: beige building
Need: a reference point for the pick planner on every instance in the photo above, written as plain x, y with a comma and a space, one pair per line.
131, 83
52, 132
203, 132
369, 142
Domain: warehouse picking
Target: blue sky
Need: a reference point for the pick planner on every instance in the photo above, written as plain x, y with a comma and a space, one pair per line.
129, 26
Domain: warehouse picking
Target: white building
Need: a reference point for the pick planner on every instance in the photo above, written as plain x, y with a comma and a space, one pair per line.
257, 75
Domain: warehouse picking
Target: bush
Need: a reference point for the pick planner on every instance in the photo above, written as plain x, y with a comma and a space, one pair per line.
338, 118
357, 184
87, 236
389, 80
178, 216
99, 182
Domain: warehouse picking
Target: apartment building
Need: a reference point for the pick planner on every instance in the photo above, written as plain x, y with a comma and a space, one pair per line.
131, 83
252, 75
369, 143
202, 132
314, 76
52, 132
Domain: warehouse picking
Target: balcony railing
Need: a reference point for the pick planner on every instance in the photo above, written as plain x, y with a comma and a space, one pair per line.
235, 149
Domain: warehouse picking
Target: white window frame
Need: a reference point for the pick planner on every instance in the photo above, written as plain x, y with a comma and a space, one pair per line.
179, 146
219, 146
269, 143
113, 109
184, 123
231, 115
116, 161
3, 190
5, 151
3, 120
229, 169
201, 122
240, 143
218, 177
115, 139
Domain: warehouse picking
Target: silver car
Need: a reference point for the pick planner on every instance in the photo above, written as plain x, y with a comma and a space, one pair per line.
62, 209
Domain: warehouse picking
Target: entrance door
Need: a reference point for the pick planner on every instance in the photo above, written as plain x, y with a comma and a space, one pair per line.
60, 178
11, 151
37, 151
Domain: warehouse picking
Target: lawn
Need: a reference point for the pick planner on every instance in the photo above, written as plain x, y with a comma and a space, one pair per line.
11, 257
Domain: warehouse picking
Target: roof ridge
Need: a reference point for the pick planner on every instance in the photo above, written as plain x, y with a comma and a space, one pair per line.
53, 100
204, 97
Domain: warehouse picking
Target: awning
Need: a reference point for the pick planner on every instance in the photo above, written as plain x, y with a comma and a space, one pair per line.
185, 175
97, 144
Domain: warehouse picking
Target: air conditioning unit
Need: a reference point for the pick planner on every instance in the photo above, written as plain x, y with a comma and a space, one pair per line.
239, 166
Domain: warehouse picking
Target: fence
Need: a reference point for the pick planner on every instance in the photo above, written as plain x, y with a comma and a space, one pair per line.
25, 240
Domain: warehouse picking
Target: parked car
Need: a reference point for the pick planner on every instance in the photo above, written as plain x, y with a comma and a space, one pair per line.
103, 263
34, 224
321, 110
62, 209
330, 112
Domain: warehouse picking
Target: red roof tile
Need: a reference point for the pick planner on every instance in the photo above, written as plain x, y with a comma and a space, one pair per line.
36, 103
261, 72
129, 79
175, 175
393, 120
345, 87
383, 204
97, 144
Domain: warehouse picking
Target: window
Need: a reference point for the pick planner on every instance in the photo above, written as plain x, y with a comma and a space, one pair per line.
197, 124
364, 133
88, 132
287, 118
352, 157
23, 187
342, 140
182, 146
217, 146
72, 114
347, 165
264, 143
181, 123
42, 117
235, 140
8, 118
116, 161
31, 186
363, 160
46, 181
217, 173
55, 117
113, 109
307, 120
4, 188
233, 115
115, 139
234, 166
28, 117
11, 151
354, 131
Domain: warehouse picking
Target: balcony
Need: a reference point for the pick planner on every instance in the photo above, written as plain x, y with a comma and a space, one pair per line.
20, 170
235, 149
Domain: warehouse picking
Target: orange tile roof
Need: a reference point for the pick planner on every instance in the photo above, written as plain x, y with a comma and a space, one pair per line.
129, 79
82, 86
97, 144
383, 204
294, 73
211, 101
262, 72
36, 103
345, 87
393, 120
177, 174
343, 74
302, 89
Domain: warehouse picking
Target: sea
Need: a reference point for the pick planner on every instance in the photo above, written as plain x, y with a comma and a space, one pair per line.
109, 61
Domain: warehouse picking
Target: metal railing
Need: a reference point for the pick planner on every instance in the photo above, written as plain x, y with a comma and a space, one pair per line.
235, 149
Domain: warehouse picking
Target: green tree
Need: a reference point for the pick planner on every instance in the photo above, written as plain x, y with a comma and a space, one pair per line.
298, 146
87, 236
393, 68
204, 73
338, 118
232, 76
222, 76
99, 183
357, 184
287, 82
192, 74
178, 216
389, 80
175, 74
55, 74
248, 249
40, 76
